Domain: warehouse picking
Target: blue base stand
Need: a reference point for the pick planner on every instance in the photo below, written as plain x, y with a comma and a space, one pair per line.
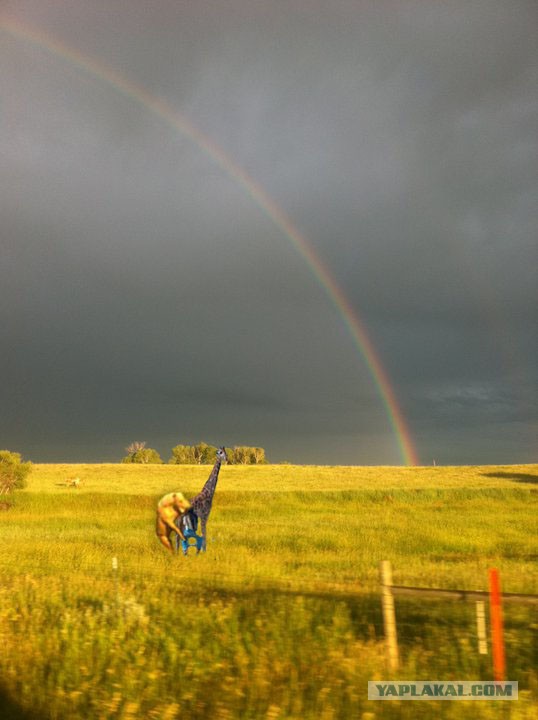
191, 540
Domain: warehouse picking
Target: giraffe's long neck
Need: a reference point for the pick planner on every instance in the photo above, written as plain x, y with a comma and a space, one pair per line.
202, 502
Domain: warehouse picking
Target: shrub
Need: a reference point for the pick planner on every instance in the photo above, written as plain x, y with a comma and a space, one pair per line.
204, 454
13, 472
137, 452
182, 455
248, 456
200, 454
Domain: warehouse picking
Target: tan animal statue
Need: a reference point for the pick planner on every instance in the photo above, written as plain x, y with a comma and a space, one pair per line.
169, 509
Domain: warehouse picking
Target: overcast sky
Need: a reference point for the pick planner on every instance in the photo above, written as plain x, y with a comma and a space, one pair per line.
144, 295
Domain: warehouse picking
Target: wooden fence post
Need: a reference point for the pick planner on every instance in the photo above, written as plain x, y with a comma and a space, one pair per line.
115, 575
389, 616
497, 639
481, 627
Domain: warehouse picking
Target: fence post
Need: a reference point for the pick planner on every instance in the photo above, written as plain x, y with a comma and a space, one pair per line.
115, 575
497, 639
481, 627
389, 616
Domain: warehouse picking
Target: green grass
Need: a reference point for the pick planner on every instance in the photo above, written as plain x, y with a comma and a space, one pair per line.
281, 617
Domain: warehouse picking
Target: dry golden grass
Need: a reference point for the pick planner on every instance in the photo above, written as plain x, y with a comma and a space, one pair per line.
281, 617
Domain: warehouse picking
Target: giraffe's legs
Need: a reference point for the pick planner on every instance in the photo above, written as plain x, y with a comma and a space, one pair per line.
203, 523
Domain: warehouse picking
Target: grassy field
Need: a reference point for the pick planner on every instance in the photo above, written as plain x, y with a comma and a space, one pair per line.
281, 617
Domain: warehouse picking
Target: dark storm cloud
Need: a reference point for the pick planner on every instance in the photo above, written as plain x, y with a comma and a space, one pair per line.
144, 294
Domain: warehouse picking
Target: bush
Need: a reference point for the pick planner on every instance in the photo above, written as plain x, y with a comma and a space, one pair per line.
201, 454
204, 454
182, 455
13, 472
248, 456
137, 452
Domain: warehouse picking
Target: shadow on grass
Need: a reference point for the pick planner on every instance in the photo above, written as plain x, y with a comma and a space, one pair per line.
11, 710
518, 477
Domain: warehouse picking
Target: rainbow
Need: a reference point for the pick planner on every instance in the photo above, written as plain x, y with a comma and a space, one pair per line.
181, 124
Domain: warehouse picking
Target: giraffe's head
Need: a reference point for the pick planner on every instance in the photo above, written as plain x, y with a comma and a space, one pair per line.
221, 454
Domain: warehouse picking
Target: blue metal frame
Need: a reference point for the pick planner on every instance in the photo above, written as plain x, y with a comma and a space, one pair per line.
190, 535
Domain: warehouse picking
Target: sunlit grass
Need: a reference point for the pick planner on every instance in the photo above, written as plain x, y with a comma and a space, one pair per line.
281, 617
153, 479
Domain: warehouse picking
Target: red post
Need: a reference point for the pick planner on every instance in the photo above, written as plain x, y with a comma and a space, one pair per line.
497, 636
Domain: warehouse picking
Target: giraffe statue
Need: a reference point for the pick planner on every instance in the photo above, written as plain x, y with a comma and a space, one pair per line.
201, 503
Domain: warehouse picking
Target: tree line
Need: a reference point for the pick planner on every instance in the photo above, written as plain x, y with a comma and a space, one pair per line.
200, 454
14, 472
